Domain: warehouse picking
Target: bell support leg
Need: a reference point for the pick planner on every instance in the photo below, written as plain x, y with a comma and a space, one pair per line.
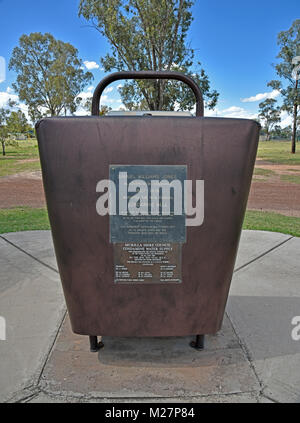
94, 344
198, 344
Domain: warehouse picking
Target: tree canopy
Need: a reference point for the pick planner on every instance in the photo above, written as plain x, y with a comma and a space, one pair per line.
289, 43
49, 74
149, 35
17, 122
3, 128
11, 122
269, 113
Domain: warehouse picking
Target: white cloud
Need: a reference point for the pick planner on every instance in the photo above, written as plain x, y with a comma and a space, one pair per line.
261, 96
85, 94
106, 100
108, 89
114, 102
91, 65
82, 112
231, 112
233, 109
286, 119
119, 86
7, 95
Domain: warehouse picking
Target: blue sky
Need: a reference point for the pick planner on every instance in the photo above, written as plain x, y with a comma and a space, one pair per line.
234, 40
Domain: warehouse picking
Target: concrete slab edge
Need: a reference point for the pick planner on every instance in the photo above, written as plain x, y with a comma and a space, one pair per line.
33, 383
76, 397
28, 254
263, 254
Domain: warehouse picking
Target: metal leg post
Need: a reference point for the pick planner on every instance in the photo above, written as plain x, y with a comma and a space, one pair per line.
198, 344
94, 344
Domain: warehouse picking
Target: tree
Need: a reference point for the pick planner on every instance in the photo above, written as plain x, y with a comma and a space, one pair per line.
149, 35
289, 42
282, 133
5, 138
269, 114
50, 74
3, 128
17, 122
104, 109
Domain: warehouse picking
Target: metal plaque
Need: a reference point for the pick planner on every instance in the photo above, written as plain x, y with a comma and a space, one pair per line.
147, 247
147, 262
150, 228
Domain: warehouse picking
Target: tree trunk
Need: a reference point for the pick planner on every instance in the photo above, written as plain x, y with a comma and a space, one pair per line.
3, 148
293, 151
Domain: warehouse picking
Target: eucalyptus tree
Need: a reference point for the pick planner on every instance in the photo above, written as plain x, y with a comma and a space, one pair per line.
287, 70
50, 75
149, 35
269, 114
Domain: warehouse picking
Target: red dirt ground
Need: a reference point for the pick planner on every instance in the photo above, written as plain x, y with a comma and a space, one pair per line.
23, 189
267, 193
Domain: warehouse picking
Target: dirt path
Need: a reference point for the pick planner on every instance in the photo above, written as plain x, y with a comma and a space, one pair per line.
279, 197
23, 189
268, 193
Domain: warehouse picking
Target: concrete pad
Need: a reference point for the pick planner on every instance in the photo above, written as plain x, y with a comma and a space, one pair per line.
255, 243
147, 367
39, 244
232, 398
264, 298
32, 303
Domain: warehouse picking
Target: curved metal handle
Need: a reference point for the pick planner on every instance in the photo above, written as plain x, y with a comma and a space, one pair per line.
147, 75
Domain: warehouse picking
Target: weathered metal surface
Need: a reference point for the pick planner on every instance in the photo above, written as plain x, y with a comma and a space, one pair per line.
76, 153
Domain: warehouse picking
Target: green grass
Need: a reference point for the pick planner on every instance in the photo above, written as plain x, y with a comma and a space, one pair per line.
278, 152
28, 219
10, 163
274, 222
23, 219
295, 179
272, 151
264, 172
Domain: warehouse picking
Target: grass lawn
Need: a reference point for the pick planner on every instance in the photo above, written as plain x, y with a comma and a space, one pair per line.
23, 219
278, 152
28, 219
295, 179
274, 222
24, 157
263, 172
